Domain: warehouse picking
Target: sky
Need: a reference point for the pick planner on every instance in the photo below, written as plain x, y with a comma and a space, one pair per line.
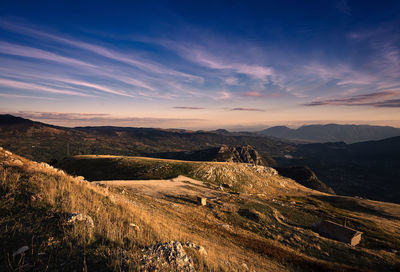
238, 65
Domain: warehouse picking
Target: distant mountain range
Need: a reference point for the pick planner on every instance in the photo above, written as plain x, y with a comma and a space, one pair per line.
333, 133
368, 169
43, 142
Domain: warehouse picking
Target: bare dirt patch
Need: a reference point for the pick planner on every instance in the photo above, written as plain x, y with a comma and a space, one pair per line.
179, 186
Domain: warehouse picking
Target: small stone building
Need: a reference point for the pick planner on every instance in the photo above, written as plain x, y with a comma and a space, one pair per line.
338, 232
202, 201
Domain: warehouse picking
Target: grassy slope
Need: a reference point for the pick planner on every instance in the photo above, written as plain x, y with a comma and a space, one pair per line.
34, 199
239, 177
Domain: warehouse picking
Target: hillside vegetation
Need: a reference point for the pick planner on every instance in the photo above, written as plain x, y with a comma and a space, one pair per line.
252, 231
238, 177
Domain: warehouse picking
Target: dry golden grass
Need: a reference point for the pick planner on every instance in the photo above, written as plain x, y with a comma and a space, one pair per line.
35, 200
111, 213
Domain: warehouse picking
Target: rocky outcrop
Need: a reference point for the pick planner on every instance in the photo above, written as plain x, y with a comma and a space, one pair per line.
244, 154
306, 177
224, 153
170, 255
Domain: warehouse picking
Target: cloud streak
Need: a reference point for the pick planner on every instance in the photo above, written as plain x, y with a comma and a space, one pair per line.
202, 57
37, 87
188, 108
378, 99
29, 52
246, 109
72, 119
99, 50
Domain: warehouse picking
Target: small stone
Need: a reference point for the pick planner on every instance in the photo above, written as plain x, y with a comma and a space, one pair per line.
136, 227
226, 226
20, 250
79, 217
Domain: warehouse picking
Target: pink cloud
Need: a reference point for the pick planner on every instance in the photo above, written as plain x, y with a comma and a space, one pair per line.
97, 87
32, 86
203, 58
252, 94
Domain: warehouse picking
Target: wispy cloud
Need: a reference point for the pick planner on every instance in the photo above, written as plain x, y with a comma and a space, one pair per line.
36, 87
246, 109
188, 108
72, 119
210, 61
231, 80
25, 51
200, 56
25, 96
378, 99
145, 65
98, 87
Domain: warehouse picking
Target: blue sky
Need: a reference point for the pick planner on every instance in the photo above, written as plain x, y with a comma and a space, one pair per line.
199, 64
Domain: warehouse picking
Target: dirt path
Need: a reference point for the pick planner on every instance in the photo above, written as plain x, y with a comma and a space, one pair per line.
179, 186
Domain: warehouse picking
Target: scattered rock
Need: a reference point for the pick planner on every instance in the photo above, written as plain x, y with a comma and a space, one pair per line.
20, 250
245, 267
79, 217
8, 153
136, 227
200, 249
166, 255
225, 226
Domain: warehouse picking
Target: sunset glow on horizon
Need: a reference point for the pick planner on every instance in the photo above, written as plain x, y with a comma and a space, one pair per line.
174, 64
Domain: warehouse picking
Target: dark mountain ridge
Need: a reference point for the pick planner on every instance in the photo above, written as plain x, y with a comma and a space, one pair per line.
333, 133
44, 142
305, 176
367, 169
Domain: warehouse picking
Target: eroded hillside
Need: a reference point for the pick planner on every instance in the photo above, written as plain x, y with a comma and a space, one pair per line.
45, 225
